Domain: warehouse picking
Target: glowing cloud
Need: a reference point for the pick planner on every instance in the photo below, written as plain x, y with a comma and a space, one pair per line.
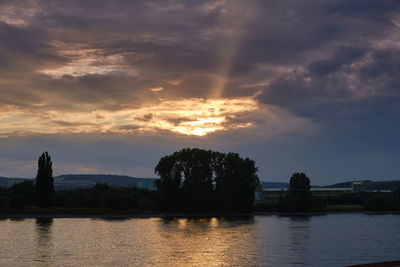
191, 116
86, 61
156, 89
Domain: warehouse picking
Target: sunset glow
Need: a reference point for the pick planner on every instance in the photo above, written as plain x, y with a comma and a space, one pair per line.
287, 83
183, 116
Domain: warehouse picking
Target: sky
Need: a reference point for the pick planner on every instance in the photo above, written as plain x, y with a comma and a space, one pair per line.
112, 86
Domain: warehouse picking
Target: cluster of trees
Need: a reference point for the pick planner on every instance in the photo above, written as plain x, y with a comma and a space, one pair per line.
205, 180
106, 196
42, 193
24, 194
18, 196
191, 180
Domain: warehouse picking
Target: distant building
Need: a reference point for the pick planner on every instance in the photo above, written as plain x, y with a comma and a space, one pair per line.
329, 192
357, 187
322, 192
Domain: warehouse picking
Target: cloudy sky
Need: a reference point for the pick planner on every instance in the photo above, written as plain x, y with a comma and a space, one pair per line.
112, 86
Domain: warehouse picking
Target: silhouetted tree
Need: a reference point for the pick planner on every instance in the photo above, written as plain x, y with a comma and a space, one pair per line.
169, 184
299, 182
44, 187
299, 196
235, 181
188, 177
197, 186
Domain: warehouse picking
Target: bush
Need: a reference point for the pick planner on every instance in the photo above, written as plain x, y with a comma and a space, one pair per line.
319, 204
26, 189
115, 198
378, 202
3, 202
17, 202
147, 204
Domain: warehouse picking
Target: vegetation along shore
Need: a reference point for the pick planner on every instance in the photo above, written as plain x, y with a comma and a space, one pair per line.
193, 182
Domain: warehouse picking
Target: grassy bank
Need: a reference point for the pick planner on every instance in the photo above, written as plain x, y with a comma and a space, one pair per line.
344, 208
268, 208
73, 211
273, 206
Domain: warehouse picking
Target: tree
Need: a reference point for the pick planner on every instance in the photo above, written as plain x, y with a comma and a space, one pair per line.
299, 196
44, 187
169, 184
299, 182
197, 187
203, 180
236, 181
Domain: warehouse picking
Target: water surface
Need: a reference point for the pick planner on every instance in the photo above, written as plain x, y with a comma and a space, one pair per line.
327, 240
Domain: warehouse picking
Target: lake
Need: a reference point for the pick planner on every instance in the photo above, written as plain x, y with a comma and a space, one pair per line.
270, 240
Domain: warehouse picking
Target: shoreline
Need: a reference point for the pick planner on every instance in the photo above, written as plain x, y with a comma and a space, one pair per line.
183, 215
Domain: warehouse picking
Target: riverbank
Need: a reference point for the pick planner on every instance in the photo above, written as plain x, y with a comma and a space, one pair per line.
63, 212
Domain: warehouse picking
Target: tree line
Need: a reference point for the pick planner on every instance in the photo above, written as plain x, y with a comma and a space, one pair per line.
191, 180
41, 193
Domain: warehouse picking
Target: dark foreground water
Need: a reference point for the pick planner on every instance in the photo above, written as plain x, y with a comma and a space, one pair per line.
327, 240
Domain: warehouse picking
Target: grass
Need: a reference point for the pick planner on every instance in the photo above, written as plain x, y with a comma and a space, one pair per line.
273, 206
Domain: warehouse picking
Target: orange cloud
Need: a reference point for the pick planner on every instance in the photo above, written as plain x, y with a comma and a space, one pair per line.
193, 116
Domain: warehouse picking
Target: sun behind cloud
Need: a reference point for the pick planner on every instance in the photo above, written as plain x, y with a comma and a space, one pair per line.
195, 116
188, 116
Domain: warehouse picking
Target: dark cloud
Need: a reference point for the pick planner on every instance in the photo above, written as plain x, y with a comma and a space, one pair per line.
340, 87
332, 63
353, 74
342, 56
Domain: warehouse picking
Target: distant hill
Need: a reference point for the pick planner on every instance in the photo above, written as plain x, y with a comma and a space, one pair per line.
73, 181
368, 185
371, 185
275, 185
7, 182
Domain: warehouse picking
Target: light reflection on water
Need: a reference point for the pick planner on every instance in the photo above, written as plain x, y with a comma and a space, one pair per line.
207, 241
43, 239
330, 240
